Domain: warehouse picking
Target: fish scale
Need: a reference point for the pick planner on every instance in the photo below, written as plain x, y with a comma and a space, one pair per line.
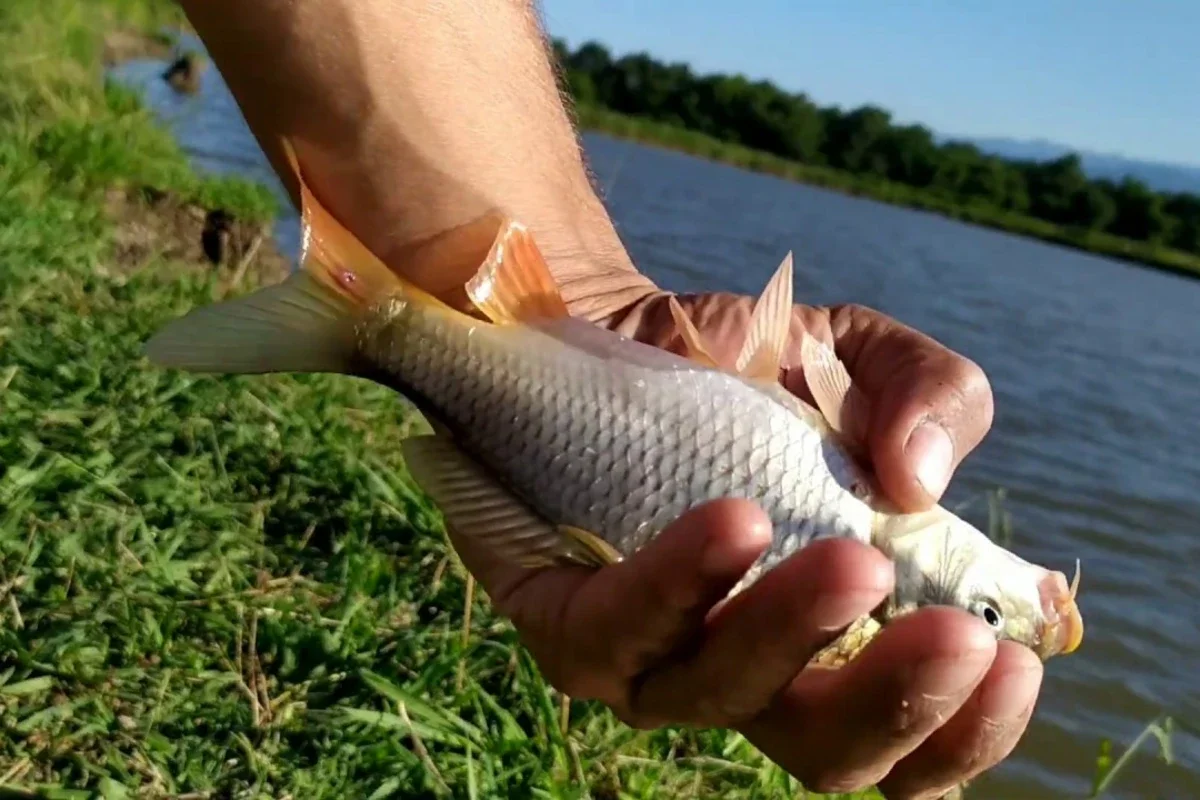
620, 447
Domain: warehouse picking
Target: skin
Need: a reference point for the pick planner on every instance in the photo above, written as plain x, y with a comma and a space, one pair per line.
412, 119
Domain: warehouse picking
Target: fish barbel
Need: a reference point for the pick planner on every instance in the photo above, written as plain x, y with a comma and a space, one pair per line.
558, 441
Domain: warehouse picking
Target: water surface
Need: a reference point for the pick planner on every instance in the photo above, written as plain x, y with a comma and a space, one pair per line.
1095, 366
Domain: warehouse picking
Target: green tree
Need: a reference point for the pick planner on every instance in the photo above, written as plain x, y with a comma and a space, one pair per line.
1053, 186
1093, 206
911, 154
954, 167
1185, 209
851, 140
762, 116
1140, 213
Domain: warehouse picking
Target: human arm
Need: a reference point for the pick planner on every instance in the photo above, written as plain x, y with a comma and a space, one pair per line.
412, 119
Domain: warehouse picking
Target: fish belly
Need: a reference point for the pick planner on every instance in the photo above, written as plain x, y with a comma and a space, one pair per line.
618, 441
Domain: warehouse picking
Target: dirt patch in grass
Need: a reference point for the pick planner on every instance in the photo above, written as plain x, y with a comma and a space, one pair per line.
123, 44
151, 223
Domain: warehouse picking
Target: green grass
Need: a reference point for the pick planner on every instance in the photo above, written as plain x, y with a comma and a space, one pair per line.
229, 587
698, 144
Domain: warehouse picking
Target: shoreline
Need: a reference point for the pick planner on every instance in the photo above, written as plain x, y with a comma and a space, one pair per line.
651, 133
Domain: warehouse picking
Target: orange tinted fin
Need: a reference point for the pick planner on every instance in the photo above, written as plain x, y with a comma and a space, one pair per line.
601, 551
443, 263
842, 403
762, 351
847, 647
334, 255
514, 284
693, 343
306, 323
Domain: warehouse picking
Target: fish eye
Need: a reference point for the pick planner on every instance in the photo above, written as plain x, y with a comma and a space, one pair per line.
987, 611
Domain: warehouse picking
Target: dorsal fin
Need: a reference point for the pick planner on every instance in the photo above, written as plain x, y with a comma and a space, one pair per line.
693, 343
766, 338
840, 400
443, 263
514, 284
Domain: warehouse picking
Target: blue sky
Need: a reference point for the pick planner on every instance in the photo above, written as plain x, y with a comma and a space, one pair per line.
1109, 75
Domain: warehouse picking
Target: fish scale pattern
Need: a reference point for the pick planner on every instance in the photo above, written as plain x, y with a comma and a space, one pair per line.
620, 447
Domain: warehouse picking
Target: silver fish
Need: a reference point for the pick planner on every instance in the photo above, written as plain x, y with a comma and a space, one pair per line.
556, 440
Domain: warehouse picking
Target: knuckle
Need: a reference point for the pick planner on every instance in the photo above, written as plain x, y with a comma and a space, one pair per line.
626, 662
835, 779
718, 712
577, 681
976, 387
968, 402
572, 683
637, 719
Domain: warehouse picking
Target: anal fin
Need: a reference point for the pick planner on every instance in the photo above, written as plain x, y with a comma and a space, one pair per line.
478, 507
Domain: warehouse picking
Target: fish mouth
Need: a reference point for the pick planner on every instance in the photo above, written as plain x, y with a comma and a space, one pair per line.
1063, 631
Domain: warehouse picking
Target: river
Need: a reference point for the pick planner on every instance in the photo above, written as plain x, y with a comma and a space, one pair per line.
1095, 365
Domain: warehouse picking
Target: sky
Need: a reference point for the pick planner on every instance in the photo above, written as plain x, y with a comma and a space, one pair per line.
1114, 76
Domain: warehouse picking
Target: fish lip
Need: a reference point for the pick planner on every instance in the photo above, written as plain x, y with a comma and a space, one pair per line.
1063, 630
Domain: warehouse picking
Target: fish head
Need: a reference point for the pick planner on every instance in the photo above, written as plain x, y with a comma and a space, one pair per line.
941, 559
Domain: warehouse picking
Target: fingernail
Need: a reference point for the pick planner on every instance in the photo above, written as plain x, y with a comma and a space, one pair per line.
954, 678
833, 612
930, 449
1011, 695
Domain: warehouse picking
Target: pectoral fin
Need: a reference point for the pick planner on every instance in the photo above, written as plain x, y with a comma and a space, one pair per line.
849, 645
761, 355
478, 507
601, 551
842, 403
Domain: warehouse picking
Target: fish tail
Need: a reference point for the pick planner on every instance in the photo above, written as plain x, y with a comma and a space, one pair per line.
307, 323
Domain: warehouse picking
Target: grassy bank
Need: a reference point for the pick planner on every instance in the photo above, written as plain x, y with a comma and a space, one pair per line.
228, 587
699, 144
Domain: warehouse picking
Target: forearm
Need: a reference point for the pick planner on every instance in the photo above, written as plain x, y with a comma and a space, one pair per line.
415, 117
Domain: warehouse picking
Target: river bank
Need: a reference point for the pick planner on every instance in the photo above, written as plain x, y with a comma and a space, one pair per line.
672, 137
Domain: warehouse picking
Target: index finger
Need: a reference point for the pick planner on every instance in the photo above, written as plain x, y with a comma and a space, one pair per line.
592, 631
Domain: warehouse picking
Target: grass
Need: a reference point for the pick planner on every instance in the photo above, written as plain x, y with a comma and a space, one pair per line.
229, 587
698, 144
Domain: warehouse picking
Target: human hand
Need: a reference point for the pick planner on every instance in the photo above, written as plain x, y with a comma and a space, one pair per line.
932, 702
935, 700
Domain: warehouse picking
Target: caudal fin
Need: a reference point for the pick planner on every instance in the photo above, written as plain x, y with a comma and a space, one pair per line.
299, 325
304, 324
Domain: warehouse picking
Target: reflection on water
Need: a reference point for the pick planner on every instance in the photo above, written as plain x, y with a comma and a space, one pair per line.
1095, 365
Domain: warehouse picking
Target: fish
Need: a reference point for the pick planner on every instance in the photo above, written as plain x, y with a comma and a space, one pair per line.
556, 441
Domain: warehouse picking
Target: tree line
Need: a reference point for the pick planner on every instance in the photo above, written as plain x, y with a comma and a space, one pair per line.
865, 141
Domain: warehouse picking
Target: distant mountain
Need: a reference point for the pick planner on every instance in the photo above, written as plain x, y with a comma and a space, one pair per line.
1156, 174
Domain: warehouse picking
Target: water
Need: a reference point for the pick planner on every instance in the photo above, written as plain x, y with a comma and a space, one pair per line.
1095, 365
